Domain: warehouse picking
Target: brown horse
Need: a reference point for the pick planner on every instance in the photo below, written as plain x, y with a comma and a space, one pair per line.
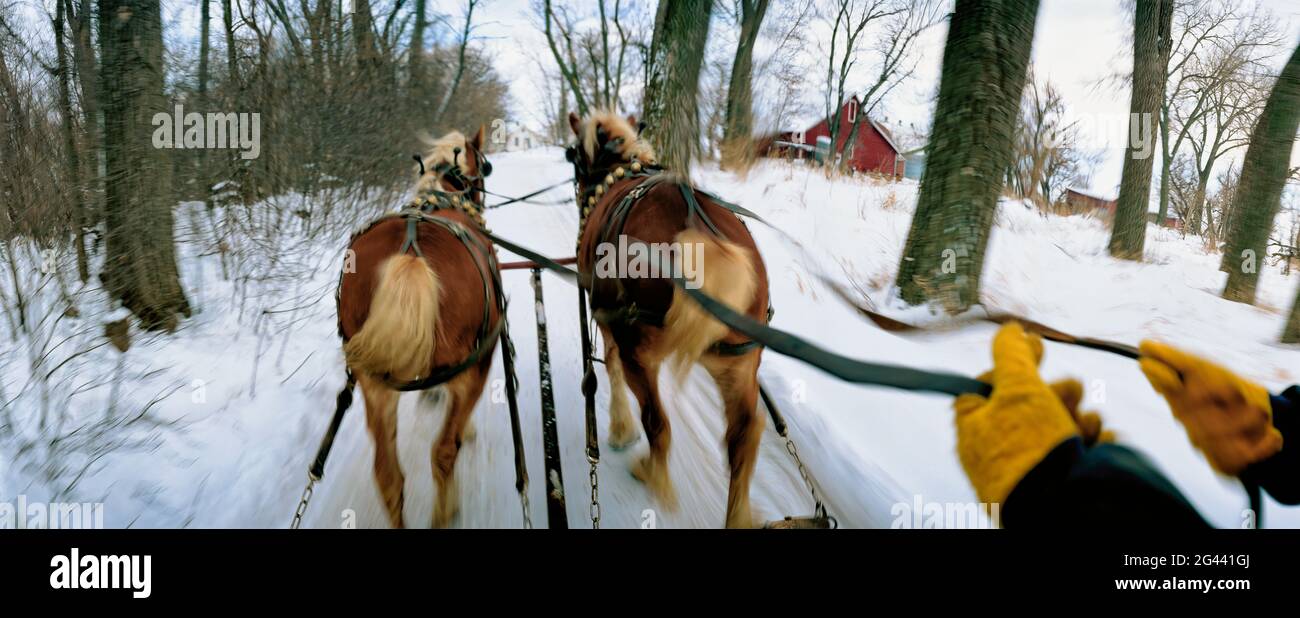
647, 320
411, 316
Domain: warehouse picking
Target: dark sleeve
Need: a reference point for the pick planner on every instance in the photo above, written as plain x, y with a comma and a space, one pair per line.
1107, 486
1279, 475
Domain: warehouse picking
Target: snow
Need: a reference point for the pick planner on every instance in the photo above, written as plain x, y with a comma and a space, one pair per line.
238, 399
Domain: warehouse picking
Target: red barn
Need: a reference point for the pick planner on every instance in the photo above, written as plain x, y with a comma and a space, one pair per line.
872, 150
1080, 201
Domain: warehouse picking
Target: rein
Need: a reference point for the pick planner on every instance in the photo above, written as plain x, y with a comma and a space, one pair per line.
525, 198
789, 344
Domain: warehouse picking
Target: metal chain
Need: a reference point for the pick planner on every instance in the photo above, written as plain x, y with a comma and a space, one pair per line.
302, 504
595, 494
820, 511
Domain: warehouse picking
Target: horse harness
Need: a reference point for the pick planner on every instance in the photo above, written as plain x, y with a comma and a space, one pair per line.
651, 177
421, 210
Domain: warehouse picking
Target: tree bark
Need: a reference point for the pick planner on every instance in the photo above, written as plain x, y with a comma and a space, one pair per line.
1151, 29
985, 61
1259, 190
1291, 332
416, 63
671, 106
76, 194
232, 64
200, 156
140, 263
363, 37
737, 143
1166, 164
83, 56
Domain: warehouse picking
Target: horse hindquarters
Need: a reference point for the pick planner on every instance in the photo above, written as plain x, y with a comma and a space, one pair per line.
726, 273
397, 338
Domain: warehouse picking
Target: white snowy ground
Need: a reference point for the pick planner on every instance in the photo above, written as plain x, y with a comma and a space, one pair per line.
241, 397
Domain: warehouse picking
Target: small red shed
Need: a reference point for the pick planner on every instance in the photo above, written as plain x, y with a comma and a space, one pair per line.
873, 148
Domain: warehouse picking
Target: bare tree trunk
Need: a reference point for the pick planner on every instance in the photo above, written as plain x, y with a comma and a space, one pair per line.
1199, 207
140, 265
737, 145
1166, 163
1259, 190
76, 195
232, 64
671, 107
985, 61
83, 54
416, 64
363, 37
205, 47
568, 70
1291, 332
1151, 25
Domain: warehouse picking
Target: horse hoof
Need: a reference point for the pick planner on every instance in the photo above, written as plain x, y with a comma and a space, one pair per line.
640, 470
655, 478
621, 443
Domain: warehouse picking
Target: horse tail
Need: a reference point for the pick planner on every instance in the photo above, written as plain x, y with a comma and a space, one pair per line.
397, 338
726, 273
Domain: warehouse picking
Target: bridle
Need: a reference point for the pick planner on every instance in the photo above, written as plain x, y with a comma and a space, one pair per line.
473, 186
591, 178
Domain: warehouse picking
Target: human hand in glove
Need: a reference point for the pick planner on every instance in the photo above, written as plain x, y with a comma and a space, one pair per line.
1002, 437
1226, 416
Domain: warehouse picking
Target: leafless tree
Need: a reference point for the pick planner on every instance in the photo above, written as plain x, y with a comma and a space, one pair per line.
1232, 112
780, 75
598, 61
849, 20
1048, 149
1216, 47
462, 47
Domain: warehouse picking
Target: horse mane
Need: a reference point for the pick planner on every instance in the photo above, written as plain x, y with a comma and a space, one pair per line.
440, 150
632, 148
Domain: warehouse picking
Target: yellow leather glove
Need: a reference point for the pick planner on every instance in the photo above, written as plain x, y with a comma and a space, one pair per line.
1001, 438
1226, 416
